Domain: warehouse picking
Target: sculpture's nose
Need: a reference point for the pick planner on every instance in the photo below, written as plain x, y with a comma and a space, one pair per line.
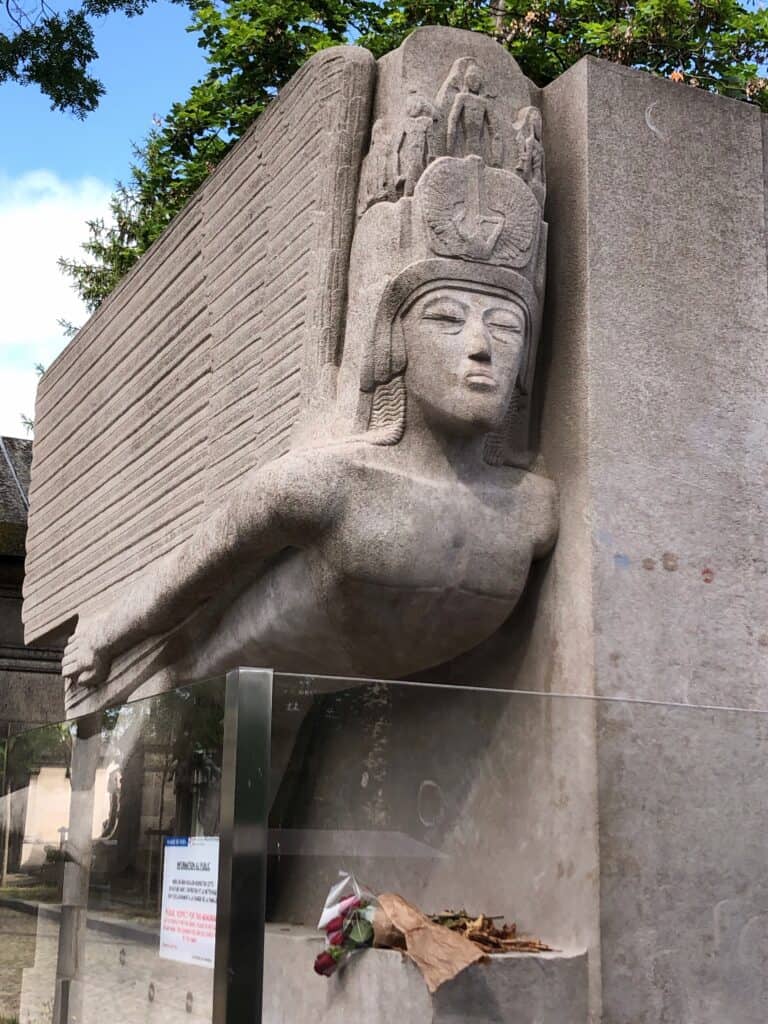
479, 342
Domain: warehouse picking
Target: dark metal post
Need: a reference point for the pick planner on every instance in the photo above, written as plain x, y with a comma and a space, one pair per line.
7, 818
241, 912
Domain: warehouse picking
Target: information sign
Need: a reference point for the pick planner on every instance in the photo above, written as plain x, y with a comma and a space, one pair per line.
190, 879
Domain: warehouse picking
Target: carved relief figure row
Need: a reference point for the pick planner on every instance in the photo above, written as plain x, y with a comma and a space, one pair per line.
462, 121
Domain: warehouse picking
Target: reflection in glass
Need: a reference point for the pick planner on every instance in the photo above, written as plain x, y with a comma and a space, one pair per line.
86, 812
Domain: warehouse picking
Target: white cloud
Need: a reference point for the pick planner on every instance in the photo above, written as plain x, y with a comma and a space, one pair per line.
42, 217
17, 399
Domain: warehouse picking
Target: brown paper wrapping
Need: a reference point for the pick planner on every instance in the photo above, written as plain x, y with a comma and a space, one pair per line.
439, 953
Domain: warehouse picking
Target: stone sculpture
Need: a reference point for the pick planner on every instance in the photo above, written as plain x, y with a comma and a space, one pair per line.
472, 124
399, 535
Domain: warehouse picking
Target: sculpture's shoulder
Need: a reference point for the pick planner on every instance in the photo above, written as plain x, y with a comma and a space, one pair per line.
538, 502
301, 489
547, 504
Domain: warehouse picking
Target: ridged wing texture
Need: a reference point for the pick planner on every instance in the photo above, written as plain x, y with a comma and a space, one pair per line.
196, 369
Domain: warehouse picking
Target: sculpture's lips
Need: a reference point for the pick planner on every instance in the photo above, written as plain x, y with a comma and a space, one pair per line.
481, 381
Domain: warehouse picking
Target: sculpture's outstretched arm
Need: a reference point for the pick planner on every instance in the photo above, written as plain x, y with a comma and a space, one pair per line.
287, 503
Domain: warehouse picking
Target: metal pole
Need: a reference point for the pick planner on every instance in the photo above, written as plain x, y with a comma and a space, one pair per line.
7, 820
86, 749
241, 909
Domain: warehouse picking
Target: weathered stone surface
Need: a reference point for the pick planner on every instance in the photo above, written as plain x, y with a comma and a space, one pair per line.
15, 458
653, 425
653, 422
678, 472
120, 968
382, 987
378, 986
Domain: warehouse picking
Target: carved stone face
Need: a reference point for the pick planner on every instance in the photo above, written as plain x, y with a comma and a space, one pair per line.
465, 348
472, 79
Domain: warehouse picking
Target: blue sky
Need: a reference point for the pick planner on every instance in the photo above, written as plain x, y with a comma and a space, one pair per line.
56, 172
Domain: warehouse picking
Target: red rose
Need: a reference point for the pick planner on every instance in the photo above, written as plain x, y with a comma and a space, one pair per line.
325, 964
336, 938
335, 924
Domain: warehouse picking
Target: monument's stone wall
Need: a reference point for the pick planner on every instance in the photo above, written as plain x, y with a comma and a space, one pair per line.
384, 986
677, 349
654, 424
190, 371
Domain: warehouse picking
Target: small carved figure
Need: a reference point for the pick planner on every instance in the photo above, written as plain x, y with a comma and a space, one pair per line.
376, 177
472, 128
530, 164
415, 148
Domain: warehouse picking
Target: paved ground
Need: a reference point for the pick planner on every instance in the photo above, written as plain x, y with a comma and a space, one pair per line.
17, 951
121, 973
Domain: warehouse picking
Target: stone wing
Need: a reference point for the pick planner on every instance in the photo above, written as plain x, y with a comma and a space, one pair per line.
201, 363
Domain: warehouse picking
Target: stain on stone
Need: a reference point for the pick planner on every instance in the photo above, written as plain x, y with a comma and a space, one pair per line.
621, 561
707, 574
669, 561
763, 640
649, 564
615, 657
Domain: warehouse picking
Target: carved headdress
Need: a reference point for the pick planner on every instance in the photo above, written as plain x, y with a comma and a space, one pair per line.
451, 191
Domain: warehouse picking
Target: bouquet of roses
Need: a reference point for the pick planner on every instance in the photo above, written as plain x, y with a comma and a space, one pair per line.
441, 946
347, 920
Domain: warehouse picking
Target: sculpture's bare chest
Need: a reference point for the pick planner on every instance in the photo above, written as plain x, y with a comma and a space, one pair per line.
414, 573
410, 574
418, 536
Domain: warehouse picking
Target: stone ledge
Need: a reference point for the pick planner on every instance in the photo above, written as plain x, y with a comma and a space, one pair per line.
382, 987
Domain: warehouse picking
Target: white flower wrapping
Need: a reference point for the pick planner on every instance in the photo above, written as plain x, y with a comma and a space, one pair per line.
347, 920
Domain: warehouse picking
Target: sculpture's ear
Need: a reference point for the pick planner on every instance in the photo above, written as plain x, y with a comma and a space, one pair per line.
385, 358
398, 356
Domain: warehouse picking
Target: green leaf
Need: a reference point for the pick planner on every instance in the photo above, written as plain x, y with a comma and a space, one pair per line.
361, 932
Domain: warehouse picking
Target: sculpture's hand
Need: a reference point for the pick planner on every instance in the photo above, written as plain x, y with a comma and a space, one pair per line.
87, 657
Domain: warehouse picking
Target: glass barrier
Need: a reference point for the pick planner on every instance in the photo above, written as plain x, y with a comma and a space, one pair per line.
629, 837
626, 841
109, 864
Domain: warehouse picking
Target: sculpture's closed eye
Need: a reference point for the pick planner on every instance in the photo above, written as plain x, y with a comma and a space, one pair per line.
455, 320
505, 331
503, 328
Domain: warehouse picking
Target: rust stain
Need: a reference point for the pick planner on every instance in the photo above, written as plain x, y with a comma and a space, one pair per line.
649, 564
707, 575
669, 561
